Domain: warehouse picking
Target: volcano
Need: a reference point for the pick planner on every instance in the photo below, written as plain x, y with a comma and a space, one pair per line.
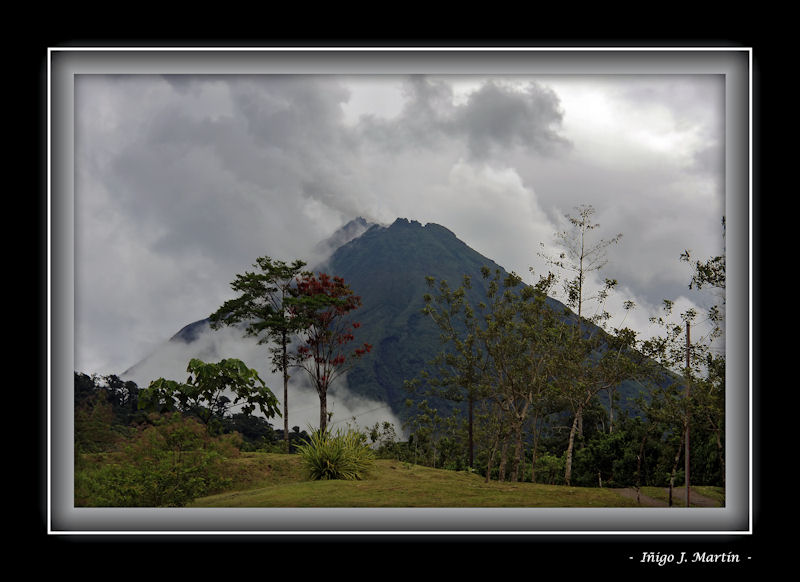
388, 267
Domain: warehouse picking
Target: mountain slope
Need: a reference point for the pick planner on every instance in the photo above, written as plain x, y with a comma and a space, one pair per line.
388, 267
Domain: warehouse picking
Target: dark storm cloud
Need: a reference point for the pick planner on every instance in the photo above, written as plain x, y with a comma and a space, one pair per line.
285, 111
493, 119
495, 116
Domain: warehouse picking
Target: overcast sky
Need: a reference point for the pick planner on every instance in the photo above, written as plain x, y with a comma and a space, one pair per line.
182, 181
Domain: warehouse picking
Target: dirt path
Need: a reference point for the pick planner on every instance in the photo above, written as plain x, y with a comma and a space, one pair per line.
643, 499
678, 498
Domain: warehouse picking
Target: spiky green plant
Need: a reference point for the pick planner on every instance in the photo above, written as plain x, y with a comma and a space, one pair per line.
336, 455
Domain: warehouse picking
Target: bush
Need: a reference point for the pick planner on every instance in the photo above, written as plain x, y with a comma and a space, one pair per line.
166, 464
340, 455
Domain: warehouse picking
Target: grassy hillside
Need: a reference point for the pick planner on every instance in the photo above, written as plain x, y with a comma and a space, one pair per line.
277, 480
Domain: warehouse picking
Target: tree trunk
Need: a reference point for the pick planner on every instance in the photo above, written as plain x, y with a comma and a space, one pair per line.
570, 448
611, 410
285, 362
323, 411
674, 470
503, 454
639, 459
536, 432
518, 452
471, 445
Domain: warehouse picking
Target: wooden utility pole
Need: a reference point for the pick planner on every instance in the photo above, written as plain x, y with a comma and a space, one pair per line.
688, 414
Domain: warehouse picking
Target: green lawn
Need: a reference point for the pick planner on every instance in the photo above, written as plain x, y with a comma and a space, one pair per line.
275, 480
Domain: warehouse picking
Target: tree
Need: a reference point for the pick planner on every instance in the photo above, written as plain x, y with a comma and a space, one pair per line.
204, 394
679, 402
262, 304
709, 273
701, 373
579, 258
520, 335
323, 303
459, 364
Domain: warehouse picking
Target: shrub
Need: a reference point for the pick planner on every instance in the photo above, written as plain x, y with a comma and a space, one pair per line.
166, 464
340, 455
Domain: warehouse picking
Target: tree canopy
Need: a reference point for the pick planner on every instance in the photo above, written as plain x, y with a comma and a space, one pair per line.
205, 392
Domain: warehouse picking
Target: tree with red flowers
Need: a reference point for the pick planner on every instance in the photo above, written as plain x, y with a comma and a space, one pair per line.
324, 303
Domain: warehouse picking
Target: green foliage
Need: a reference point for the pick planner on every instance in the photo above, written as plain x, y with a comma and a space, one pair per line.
607, 460
437, 440
165, 464
550, 468
121, 395
383, 437
204, 394
256, 432
336, 455
94, 425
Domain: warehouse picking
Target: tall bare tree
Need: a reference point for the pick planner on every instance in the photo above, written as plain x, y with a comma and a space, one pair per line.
580, 256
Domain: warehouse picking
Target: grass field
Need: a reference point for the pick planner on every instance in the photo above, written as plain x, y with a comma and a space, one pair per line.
275, 480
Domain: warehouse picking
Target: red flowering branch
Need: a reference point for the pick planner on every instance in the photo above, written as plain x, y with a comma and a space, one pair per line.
323, 302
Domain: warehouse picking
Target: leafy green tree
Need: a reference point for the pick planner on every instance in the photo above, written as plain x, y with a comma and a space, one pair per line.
435, 440
495, 356
262, 305
204, 393
121, 395
610, 459
520, 335
492, 433
458, 367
